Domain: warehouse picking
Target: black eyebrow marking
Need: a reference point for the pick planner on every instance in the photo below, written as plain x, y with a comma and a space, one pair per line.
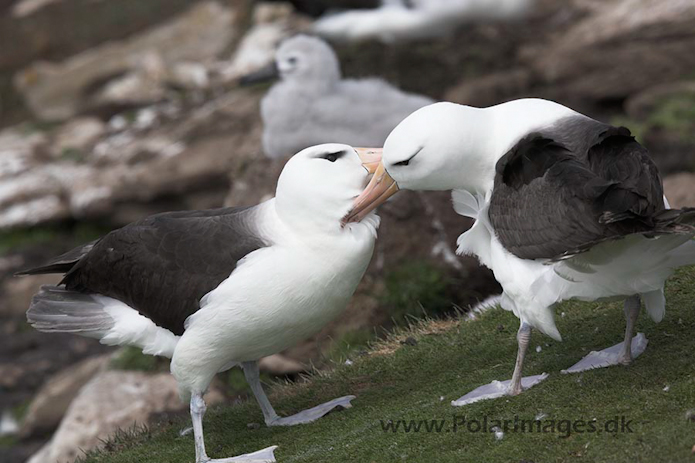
407, 161
335, 155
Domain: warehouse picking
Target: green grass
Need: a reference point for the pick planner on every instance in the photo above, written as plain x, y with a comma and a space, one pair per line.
417, 382
132, 359
412, 291
20, 410
674, 114
15, 240
677, 114
415, 289
350, 344
236, 383
72, 154
7, 442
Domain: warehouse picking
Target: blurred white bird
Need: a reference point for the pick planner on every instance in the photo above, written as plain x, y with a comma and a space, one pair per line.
312, 104
403, 20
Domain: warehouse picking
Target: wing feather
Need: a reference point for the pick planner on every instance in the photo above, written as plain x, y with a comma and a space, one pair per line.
550, 199
164, 264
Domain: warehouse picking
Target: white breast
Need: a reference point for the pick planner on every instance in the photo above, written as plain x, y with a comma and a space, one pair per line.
276, 297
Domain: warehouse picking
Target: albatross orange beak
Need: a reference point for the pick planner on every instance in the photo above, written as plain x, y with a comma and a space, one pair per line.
370, 157
379, 189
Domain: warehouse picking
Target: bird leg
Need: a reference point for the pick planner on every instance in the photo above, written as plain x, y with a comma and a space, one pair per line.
619, 354
631, 309
510, 387
253, 378
271, 418
523, 336
197, 412
198, 409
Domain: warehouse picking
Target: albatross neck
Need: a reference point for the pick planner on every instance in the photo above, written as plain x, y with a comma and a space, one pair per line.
496, 130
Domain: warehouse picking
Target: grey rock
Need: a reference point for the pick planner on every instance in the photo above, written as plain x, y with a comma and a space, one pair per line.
19, 150
35, 30
77, 136
27, 7
138, 88
680, 189
10, 375
642, 104
189, 158
8, 424
17, 293
31, 198
61, 90
49, 405
10, 263
272, 22
112, 400
189, 75
620, 48
279, 365
482, 90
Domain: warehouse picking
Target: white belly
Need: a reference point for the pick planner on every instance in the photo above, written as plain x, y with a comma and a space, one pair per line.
274, 299
615, 269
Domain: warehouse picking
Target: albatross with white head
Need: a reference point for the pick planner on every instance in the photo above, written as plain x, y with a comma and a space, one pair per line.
223, 287
566, 207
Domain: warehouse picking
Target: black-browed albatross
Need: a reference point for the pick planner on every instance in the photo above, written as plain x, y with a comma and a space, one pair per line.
566, 207
217, 288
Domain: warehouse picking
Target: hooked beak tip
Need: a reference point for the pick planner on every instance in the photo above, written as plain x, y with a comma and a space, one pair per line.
380, 188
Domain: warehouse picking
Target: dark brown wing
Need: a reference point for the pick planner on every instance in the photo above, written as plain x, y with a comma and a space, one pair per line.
549, 199
163, 265
63, 263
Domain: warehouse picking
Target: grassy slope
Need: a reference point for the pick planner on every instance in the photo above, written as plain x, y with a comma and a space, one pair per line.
452, 358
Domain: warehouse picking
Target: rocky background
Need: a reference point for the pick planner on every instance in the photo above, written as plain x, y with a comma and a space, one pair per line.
115, 109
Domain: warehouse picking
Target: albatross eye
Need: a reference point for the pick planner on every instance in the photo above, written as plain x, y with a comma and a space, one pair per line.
407, 161
332, 157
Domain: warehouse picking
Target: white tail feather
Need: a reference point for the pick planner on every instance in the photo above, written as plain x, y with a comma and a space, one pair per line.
132, 329
57, 310
655, 303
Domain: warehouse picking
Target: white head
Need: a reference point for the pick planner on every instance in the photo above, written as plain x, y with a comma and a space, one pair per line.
438, 147
318, 186
435, 148
307, 59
